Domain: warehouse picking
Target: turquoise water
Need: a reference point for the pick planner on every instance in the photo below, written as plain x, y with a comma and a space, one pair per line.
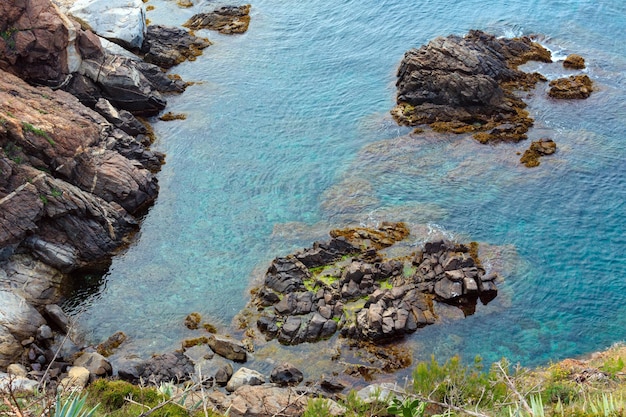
288, 133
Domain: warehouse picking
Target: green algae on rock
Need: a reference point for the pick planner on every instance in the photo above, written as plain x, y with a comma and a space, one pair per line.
349, 285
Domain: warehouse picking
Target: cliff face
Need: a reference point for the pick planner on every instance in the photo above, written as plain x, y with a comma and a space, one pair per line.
71, 180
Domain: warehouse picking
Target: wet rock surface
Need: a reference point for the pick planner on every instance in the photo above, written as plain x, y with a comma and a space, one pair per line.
227, 20
572, 87
167, 46
466, 84
348, 285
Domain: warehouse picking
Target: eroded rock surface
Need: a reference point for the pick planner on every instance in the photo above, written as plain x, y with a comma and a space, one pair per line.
167, 46
348, 284
227, 20
466, 84
572, 87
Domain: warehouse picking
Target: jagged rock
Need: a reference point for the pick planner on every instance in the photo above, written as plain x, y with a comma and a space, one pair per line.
97, 365
57, 316
120, 21
223, 374
227, 20
244, 376
37, 282
167, 46
286, 374
123, 84
18, 317
286, 275
228, 348
121, 119
464, 84
168, 367
326, 253
38, 42
573, 87
574, 61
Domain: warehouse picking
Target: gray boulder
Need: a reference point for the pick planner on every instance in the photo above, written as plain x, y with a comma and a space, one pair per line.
228, 348
244, 376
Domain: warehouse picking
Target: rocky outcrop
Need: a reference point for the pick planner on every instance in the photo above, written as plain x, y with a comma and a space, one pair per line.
120, 21
572, 87
574, 61
537, 149
227, 20
466, 84
347, 284
167, 46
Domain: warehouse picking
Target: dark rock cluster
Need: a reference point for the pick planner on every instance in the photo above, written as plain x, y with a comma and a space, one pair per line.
226, 19
348, 285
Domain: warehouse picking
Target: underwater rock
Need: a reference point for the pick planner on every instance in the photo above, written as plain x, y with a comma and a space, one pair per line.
227, 20
228, 348
466, 84
572, 87
286, 374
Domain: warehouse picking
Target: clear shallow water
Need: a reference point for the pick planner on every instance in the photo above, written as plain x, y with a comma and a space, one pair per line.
288, 133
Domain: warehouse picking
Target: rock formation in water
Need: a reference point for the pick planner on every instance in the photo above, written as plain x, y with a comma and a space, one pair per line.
347, 284
227, 20
572, 87
466, 84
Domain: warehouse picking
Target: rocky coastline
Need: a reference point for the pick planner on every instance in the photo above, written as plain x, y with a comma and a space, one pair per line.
78, 172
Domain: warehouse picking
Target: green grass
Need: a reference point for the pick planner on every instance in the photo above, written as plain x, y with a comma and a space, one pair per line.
39, 132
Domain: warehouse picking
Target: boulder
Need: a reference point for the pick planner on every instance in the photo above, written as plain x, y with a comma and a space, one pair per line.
34, 280
227, 20
574, 61
122, 119
286, 374
244, 376
18, 384
286, 275
97, 365
169, 367
123, 84
167, 46
120, 21
17, 316
58, 317
228, 348
77, 378
267, 400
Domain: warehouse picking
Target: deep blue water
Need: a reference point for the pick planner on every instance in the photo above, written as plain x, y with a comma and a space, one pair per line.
288, 133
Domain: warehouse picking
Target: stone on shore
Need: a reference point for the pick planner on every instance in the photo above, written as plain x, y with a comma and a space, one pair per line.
244, 376
228, 348
537, 149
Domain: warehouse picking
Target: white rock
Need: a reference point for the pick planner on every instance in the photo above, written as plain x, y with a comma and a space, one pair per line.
244, 376
116, 20
18, 384
19, 317
77, 377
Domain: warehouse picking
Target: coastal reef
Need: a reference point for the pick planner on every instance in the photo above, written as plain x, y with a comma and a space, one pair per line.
227, 20
348, 284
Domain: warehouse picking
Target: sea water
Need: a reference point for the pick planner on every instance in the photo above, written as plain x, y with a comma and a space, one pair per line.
288, 134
